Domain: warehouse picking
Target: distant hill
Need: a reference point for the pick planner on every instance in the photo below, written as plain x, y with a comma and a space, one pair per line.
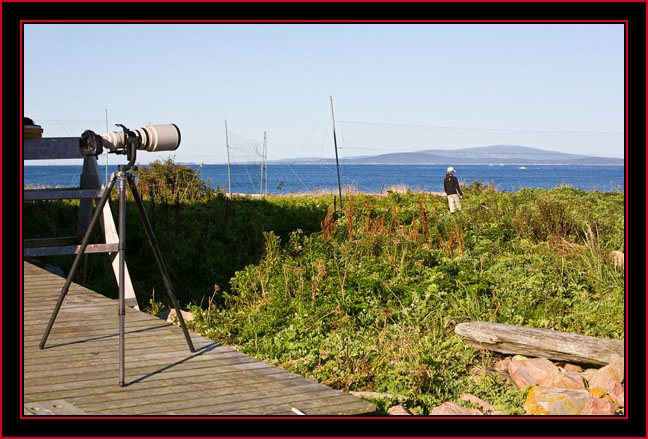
485, 155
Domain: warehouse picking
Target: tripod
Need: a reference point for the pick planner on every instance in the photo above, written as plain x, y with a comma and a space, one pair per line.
123, 174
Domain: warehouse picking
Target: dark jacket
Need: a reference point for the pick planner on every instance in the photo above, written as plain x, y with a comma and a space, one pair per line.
451, 185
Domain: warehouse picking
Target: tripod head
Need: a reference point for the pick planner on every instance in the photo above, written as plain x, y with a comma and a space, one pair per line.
131, 144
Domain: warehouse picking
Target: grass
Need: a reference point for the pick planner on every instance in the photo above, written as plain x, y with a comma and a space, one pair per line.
367, 299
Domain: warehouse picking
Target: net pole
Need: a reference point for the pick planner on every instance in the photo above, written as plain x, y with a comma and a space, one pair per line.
229, 181
337, 163
106, 152
265, 160
262, 163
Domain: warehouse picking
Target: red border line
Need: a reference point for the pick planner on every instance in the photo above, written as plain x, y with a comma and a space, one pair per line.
625, 22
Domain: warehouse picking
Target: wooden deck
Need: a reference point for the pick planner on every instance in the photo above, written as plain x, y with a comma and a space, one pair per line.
78, 371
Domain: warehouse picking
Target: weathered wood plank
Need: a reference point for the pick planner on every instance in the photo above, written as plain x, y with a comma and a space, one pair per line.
333, 405
200, 394
240, 379
52, 148
70, 327
68, 250
103, 344
144, 351
80, 364
61, 193
48, 242
139, 366
537, 342
58, 407
207, 401
260, 402
109, 377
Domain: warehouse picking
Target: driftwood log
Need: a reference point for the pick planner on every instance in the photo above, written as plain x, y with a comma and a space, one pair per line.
536, 342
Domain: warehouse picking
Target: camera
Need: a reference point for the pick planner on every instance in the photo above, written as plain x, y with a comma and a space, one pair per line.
151, 138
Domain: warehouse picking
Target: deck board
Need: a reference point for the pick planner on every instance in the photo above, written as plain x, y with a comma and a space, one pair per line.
78, 371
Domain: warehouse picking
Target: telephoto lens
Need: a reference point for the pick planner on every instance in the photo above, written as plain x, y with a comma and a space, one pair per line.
151, 138
159, 137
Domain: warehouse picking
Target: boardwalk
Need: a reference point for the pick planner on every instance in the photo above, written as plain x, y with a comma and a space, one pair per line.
78, 371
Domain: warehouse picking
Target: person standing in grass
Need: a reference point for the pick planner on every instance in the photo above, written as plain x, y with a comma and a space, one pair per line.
452, 189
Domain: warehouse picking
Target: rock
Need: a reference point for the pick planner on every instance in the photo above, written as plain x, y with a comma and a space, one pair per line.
171, 316
452, 409
618, 366
398, 410
578, 378
618, 395
572, 368
503, 364
599, 406
552, 401
588, 374
520, 375
607, 377
486, 407
542, 372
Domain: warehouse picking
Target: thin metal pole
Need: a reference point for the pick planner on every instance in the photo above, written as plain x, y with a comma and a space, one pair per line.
264, 165
261, 173
229, 182
265, 154
106, 152
337, 163
122, 264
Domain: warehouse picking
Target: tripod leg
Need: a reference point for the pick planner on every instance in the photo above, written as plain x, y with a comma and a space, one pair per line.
122, 254
77, 259
158, 257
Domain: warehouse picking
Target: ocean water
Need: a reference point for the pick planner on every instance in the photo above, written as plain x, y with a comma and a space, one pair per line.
286, 179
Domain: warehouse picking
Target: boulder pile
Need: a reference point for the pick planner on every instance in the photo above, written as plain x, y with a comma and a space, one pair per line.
566, 389
554, 389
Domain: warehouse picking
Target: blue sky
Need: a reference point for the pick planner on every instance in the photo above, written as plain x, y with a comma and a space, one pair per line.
412, 86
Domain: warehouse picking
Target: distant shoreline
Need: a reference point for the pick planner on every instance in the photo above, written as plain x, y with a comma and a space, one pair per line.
458, 162
364, 164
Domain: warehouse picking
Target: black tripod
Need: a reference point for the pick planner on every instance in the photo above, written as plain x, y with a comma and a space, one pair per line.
123, 174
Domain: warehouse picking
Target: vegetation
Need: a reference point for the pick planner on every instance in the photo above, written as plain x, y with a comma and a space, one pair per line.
367, 299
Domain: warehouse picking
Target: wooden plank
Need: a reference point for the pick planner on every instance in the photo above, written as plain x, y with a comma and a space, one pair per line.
51, 148
68, 250
58, 407
110, 391
332, 405
241, 403
108, 377
137, 366
537, 342
72, 367
69, 193
199, 376
206, 401
49, 242
200, 396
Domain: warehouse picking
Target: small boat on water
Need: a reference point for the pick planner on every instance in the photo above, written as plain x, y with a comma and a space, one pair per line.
521, 167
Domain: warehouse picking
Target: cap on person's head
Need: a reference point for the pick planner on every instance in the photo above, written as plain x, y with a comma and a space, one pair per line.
450, 170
